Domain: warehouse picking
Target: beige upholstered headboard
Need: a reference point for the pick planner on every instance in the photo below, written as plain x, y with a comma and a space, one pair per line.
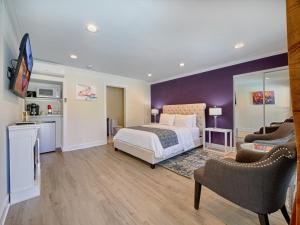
188, 109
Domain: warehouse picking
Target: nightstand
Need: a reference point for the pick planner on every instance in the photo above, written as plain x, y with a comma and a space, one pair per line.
218, 130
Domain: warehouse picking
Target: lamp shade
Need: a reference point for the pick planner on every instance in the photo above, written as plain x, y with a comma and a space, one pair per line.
154, 111
215, 111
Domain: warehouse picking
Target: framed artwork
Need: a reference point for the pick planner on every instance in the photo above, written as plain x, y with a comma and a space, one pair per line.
258, 98
85, 92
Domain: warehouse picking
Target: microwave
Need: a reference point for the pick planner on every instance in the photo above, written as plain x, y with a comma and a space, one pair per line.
48, 93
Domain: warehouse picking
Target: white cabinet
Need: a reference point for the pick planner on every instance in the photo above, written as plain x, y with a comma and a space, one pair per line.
24, 162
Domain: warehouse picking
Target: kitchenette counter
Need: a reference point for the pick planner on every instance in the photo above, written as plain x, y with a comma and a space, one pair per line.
46, 116
46, 95
24, 127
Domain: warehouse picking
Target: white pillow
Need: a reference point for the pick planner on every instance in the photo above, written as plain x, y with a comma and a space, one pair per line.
185, 120
167, 119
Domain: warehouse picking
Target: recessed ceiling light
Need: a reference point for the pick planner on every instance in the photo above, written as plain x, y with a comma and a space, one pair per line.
72, 56
149, 75
239, 45
181, 64
92, 28
89, 67
268, 78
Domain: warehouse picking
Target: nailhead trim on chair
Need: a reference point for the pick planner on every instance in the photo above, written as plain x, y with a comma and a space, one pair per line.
263, 163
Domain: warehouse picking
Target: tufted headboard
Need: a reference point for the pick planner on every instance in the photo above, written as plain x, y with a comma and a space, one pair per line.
188, 109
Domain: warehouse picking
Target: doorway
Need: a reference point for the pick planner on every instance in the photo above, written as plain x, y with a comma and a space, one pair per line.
115, 111
254, 110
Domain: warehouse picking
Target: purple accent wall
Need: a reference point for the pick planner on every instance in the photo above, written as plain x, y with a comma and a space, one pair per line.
215, 88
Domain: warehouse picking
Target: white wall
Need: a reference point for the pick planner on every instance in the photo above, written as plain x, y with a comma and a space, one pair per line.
249, 117
10, 105
85, 121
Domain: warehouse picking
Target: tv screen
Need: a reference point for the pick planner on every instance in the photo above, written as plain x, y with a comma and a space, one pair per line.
20, 79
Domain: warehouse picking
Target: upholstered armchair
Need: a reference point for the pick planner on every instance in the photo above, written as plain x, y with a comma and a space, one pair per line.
273, 126
283, 134
257, 182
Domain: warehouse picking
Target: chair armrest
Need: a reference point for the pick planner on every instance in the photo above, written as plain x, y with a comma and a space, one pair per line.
247, 156
268, 129
276, 123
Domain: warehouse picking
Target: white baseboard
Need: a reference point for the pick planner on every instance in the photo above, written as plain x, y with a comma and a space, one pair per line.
84, 145
4, 210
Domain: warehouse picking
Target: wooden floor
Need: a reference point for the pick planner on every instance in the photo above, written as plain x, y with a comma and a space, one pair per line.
100, 186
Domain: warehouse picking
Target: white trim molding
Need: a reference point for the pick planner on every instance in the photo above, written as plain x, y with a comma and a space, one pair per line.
84, 146
4, 210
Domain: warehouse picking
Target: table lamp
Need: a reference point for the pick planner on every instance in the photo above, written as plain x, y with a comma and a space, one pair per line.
154, 112
215, 112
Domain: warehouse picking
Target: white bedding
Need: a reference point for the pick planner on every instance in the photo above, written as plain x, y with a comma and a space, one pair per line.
186, 137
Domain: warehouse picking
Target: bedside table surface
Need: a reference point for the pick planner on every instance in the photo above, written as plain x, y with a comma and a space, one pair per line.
217, 129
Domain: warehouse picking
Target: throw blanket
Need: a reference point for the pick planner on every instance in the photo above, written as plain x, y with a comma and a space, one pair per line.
166, 137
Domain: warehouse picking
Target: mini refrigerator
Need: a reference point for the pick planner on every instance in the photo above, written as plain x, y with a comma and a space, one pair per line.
47, 137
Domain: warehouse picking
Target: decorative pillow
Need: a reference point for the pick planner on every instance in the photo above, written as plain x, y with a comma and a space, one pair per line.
185, 120
194, 116
167, 119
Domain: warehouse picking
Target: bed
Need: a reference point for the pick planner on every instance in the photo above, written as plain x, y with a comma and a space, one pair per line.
147, 146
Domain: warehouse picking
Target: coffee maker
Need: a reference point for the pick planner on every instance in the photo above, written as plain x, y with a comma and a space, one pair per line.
33, 109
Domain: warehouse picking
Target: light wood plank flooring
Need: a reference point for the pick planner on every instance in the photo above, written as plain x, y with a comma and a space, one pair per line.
100, 186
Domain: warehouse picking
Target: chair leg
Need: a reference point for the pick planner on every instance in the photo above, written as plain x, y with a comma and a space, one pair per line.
152, 166
285, 214
263, 219
197, 195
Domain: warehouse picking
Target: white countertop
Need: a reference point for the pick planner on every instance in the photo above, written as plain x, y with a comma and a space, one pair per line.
23, 127
46, 116
215, 129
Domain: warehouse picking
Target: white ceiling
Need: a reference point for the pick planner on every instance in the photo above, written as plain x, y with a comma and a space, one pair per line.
138, 37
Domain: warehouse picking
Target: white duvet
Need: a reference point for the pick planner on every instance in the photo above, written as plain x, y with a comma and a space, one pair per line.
150, 141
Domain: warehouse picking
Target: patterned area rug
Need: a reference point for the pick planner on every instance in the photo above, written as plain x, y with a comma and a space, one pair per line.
186, 163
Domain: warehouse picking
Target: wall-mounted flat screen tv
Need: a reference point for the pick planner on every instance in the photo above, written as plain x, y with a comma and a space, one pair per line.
20, 77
